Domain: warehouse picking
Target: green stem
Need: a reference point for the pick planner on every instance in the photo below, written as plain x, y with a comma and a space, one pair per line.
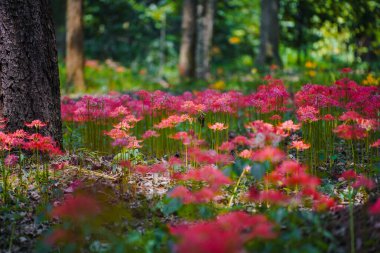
230, 203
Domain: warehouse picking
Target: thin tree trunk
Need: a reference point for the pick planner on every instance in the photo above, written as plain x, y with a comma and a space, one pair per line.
269, 34
205, 24
74, 46
29, 81
187, 50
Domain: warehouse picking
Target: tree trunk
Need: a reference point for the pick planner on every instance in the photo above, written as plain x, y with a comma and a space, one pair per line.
269, 33
205, 24
74, 46
187, 50
29, 81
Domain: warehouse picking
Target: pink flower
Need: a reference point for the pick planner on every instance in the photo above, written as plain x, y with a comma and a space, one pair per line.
289, 126
217, 126
245, 154
299, 145
36, 124
307, 113
350, 115
149, 134
268, 153
11, 160
328, 117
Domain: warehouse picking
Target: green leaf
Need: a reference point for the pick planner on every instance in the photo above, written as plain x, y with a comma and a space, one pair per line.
258, 170
172, 206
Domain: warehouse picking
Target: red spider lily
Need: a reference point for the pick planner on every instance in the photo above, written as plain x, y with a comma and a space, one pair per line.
289, 126
317, 96
35, 124
117, 133
192, 108
302, 180
21, 134
149, 134
208, 156
241, 140
209, 174
228, 233
323, 203
76, 208
363, 181
290, 167
119, 112
3, 122
269, 196
375, 208
130, 142
275, 117
180, 136
367, 124
349, 175
204, 195
307, 113
350, 116
173, 121
174, 161
350, 132
268, 153
299, 145
42, 144
227, 146
328, 117
358, 180
346, 70
260, 126
376, 144
245, 154
11, 160
214, 177
217, 126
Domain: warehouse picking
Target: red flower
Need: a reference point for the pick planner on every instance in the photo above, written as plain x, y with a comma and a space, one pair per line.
227, 234
350, 115
299, 145
376, 144
77, 208
375, 208
268, 153
346, 70
149, 134
349, 175
363, 181
289, 126
307, 113
35, 123
269, 196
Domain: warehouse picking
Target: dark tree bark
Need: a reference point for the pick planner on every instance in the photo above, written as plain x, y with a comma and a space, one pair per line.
74, 45
205, 24
29, 81
269, 34
187, 50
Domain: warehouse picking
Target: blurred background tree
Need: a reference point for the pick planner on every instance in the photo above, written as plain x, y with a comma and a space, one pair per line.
144, 39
